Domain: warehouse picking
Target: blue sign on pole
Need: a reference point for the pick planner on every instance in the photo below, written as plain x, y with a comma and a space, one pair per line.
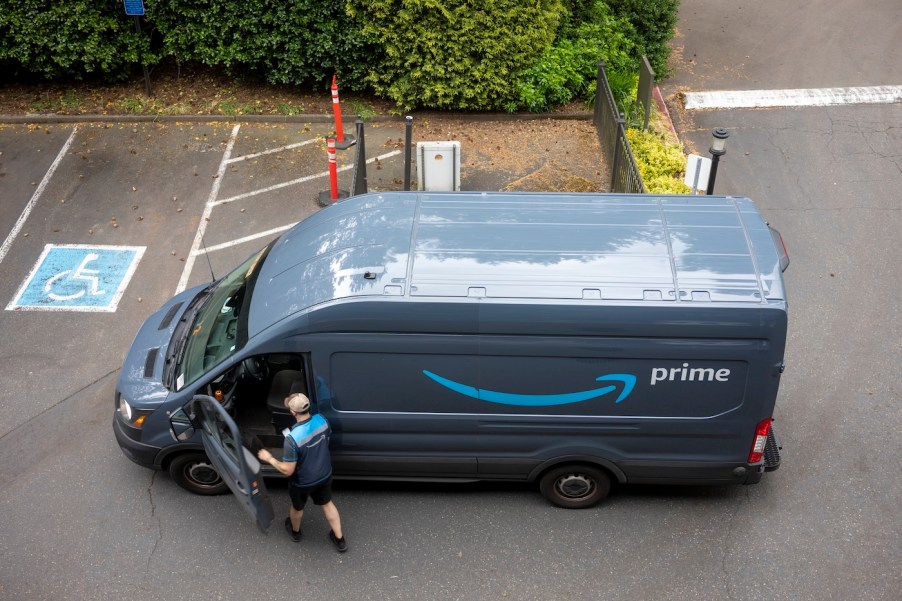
77, 277
134, 8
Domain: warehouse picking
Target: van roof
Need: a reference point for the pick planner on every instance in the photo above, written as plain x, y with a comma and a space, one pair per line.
590, 247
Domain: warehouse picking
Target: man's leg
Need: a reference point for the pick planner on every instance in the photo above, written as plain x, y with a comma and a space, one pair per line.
331, 513
298, 500
295, 516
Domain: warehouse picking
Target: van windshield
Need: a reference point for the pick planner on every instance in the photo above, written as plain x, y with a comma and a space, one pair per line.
220, 327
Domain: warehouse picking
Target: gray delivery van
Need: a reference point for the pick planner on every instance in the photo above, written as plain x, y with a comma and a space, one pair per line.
573, 340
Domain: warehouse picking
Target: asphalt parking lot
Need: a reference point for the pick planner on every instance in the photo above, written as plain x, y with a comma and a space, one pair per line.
102, 223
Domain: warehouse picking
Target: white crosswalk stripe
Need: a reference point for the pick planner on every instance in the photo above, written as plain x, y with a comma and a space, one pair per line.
801, 97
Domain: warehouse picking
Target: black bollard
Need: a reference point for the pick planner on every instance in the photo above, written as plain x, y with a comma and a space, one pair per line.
360, 183
408, 135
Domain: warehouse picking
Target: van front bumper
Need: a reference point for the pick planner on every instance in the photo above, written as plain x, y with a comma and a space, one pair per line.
142, 454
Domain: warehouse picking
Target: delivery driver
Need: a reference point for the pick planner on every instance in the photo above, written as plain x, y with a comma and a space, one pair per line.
306, 460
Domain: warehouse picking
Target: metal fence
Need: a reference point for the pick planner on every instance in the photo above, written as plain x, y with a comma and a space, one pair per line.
611, 128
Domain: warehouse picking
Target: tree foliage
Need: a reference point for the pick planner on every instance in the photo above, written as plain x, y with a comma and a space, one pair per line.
455, 54
654, 22
567, 69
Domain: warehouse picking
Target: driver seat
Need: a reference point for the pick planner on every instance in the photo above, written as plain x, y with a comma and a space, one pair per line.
285, 382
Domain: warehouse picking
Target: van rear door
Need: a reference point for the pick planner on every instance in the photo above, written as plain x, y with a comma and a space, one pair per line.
237, 465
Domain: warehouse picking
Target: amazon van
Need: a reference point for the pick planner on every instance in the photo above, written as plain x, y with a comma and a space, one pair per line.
573, 340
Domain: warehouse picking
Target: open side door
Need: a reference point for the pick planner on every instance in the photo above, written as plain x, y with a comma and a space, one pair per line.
237, 465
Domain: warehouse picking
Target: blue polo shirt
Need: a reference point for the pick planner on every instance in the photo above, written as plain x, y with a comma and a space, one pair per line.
307, 443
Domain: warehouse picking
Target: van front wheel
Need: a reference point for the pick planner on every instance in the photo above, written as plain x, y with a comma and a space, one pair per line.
575, 486
194, 472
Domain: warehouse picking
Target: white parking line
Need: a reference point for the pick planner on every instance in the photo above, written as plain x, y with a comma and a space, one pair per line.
301, 180
4, 249
252, 237
801, 97
197, 248
271, 151
208, 209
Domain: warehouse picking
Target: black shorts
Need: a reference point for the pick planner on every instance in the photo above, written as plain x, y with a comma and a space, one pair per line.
321, 494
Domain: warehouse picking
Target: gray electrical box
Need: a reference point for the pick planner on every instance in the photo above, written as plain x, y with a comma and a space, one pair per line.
438, 166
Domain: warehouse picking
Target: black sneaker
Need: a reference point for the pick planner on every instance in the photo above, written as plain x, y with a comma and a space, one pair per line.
340, 543
295, 536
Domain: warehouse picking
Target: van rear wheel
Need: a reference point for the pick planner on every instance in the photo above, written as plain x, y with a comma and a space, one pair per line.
575, 486
194, 472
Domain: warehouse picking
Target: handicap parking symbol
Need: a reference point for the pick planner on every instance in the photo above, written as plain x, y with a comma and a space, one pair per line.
76, 277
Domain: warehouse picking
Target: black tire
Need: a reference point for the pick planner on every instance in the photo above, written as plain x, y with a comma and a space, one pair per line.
575, 486
195, 473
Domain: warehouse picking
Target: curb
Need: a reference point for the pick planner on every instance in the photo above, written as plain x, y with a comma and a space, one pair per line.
307, 118
662, 108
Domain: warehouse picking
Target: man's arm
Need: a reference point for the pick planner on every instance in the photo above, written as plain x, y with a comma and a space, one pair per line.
286, 468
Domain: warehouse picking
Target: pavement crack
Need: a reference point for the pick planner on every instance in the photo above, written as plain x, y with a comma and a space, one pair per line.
154, 518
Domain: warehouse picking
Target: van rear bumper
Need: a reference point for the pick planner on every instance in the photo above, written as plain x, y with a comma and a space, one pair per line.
772, 450
656, 472
642, 472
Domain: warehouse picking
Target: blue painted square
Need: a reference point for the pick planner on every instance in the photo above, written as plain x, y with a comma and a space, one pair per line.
78, 278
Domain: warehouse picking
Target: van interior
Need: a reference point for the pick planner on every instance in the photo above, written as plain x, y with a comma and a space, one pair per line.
254, 391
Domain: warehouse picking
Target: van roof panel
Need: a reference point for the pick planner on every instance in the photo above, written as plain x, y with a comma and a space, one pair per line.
522, 246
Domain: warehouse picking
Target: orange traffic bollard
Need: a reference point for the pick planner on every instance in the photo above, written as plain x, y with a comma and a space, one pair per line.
328, 197
341, 143
336, 109
333, 169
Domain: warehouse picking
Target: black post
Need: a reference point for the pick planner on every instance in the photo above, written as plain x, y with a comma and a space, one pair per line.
143, 62
360, 180
618, 152
717, 150
408, 136
715, 159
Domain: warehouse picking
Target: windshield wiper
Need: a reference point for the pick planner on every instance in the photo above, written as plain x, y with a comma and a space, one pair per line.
176, 351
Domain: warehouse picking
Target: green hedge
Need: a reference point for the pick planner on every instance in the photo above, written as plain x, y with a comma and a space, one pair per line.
302, 42
439, 54
567, 70
297, 42
653, 22
69, 40
455, 54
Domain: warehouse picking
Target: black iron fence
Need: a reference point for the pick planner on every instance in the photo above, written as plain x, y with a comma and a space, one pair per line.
611, 128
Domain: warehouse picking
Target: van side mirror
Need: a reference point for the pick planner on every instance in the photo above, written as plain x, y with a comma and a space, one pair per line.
180, 426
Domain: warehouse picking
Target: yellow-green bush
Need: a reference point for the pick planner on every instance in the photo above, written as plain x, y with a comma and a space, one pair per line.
661, 164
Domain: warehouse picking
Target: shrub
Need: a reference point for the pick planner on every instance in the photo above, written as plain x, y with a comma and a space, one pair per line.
653, 22
455, 54
70, 39
567, 70
660, 164
298, 42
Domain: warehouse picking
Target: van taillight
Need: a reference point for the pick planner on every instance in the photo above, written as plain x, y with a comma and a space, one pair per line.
761, 432
780, 247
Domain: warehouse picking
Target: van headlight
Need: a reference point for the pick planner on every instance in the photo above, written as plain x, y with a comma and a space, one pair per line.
133, 417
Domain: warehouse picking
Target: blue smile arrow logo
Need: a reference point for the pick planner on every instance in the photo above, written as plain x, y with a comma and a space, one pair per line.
539, 400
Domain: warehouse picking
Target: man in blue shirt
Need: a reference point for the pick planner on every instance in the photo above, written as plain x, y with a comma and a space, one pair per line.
306, 460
